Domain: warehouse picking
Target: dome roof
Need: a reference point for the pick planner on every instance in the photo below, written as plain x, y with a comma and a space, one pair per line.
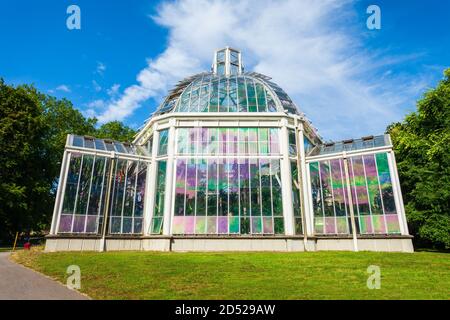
227, 89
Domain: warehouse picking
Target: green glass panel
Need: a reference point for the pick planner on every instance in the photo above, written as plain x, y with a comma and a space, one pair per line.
255, 188
262, 105
245, 225
234, 224
251, 95
233, 100
71, 183
242, 95
156, 225
163, 140
84, 184
223, 95
200, 225
298, 226
214, 96
279, 225
201, 187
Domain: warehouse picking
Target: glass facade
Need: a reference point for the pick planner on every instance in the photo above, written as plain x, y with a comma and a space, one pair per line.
86, 189
211, 93
127, 198
372, 196
237, 193
82, 209
228, 174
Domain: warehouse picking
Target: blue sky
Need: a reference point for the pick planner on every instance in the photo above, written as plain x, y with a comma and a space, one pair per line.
350, 81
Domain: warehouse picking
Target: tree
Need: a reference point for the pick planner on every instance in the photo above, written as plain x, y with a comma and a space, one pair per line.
24, 178
33, 132
115, 130
422, 148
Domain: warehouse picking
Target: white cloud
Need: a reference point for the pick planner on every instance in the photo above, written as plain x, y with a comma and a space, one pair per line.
101, 68
96, 86
308, 47
114, 90
63, 88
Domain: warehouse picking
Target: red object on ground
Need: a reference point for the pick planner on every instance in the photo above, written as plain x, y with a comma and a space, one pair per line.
27, 246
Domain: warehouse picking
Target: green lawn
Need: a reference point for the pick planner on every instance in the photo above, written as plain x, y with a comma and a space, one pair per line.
316, 275
7, 249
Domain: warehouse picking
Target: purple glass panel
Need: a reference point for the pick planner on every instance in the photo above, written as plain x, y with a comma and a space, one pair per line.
78, 224
330, 225
223, 224
65, 223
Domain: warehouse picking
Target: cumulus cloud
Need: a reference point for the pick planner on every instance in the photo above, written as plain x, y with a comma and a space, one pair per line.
63, 88
114, 90
308, 47
96, 86
101, 68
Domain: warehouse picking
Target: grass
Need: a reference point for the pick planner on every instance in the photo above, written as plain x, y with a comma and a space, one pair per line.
315, 275
8, 249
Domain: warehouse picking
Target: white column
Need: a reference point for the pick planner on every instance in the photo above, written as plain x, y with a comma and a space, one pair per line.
308, 215
397, 194
169, 179
150, 184
288, 212
60, 193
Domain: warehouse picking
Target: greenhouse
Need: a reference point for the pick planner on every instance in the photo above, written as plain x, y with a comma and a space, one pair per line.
228, 162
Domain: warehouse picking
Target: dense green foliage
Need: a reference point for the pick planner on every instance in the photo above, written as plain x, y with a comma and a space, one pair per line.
33, 131
422, 148
244, 275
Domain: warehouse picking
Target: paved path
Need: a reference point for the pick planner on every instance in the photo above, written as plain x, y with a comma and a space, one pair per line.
20, 283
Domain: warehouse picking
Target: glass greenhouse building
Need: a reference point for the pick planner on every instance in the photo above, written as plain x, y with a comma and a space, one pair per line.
228, 162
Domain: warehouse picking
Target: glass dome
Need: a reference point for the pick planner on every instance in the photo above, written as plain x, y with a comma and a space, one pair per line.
227, 89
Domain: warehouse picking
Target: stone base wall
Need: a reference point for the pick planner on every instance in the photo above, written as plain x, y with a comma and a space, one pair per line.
179, 244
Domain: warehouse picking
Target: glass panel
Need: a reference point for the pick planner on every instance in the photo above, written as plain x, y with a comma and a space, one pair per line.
358, 181
339, 196
232, 98
73, 174
223, 189
251, 95
387, 193
190, 187
182, 141
163, 140
214, 96
201, 187
296, 197
274, 141
140, 190
157, 219
180, 185
292, 143
261, 97
242, 95
223, 95
84, 185
316, 197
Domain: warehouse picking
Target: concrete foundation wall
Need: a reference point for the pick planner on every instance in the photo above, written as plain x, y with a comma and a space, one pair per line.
229, 244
